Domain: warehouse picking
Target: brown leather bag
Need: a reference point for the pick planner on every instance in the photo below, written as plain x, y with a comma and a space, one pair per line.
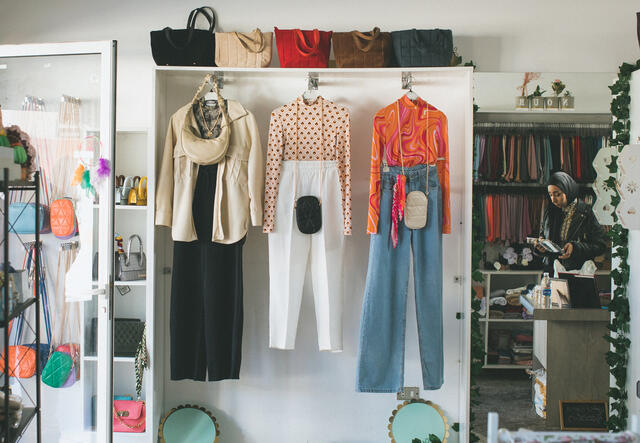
362, 49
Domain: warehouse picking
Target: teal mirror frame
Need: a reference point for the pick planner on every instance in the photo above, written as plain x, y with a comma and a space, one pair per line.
200, 408
426, 402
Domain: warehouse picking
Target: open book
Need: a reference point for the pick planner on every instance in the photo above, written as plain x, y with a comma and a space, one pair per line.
547, 244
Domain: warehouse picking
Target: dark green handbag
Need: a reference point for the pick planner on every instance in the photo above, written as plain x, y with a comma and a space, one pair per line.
422, 47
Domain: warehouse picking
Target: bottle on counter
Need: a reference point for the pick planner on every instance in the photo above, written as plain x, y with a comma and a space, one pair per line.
546, 290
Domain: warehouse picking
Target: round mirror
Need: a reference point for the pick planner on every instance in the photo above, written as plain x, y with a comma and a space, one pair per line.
188, 423
418, 421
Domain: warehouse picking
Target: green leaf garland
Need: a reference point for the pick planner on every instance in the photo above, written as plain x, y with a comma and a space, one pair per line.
477, 343
618, 356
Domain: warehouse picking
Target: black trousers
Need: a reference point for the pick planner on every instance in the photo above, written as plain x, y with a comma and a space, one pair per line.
206, 297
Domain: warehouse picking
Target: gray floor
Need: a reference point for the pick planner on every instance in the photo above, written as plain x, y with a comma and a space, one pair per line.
509, 394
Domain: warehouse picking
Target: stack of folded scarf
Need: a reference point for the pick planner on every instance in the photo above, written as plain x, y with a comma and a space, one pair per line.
522, 347
499, 346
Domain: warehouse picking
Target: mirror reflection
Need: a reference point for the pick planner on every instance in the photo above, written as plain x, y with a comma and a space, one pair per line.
418, 421
544, 256
188, 423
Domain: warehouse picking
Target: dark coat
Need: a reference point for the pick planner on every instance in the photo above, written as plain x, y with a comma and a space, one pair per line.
585, 233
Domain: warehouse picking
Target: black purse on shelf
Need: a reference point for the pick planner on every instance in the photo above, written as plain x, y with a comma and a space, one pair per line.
422, 47
127, 333
186, 47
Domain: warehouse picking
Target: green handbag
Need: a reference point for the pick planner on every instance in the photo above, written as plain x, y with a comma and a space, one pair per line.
57, 370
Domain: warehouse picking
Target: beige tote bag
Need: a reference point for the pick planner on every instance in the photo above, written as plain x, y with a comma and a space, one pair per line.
237, 50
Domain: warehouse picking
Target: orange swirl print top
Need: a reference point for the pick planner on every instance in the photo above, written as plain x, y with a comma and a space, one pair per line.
425, 140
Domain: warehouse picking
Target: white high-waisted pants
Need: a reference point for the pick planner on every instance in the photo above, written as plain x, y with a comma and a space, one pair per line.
289, 251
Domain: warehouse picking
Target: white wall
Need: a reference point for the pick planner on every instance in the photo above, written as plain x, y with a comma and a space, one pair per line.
496, 91
546, 35
305, 395
499, 35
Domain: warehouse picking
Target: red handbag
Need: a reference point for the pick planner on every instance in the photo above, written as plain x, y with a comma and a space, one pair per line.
129, 416
303, 49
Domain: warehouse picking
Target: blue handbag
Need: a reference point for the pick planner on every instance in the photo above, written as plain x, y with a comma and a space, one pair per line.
22, 218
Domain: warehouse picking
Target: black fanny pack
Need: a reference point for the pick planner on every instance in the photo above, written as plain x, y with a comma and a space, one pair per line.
308, 214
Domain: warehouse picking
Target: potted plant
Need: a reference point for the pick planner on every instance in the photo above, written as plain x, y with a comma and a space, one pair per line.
522, 101
553, 103
536, 99
567, 102
433, 438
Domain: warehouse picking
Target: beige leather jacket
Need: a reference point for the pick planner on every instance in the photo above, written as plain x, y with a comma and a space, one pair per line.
239, 185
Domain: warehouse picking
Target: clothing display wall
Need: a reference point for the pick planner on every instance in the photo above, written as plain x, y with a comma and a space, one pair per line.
510, 217
512, 164
303, 387
531, 157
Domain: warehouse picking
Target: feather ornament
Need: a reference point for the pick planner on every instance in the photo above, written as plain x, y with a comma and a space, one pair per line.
77, 176
104, 168
86, 183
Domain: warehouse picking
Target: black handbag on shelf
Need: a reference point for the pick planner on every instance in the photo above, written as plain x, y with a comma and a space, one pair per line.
127, 333
422, 47
186, 47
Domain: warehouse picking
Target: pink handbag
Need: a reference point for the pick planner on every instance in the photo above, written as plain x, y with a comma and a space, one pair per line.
129, 416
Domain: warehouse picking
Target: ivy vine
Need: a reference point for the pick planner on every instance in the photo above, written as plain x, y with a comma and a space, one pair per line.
477, 342
618, 356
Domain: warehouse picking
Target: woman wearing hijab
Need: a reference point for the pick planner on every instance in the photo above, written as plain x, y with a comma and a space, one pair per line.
570, 224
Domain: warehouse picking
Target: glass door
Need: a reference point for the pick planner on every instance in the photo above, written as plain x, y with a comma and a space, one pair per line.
61, 99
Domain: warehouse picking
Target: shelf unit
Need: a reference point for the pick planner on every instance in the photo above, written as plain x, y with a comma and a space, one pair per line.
127, 207
134, 156
505, 320
493, 280
115, 359
496, 366
9, 434
27, 416
19, 309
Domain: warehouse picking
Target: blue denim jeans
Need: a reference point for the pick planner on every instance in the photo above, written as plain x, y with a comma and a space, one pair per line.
382, 331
